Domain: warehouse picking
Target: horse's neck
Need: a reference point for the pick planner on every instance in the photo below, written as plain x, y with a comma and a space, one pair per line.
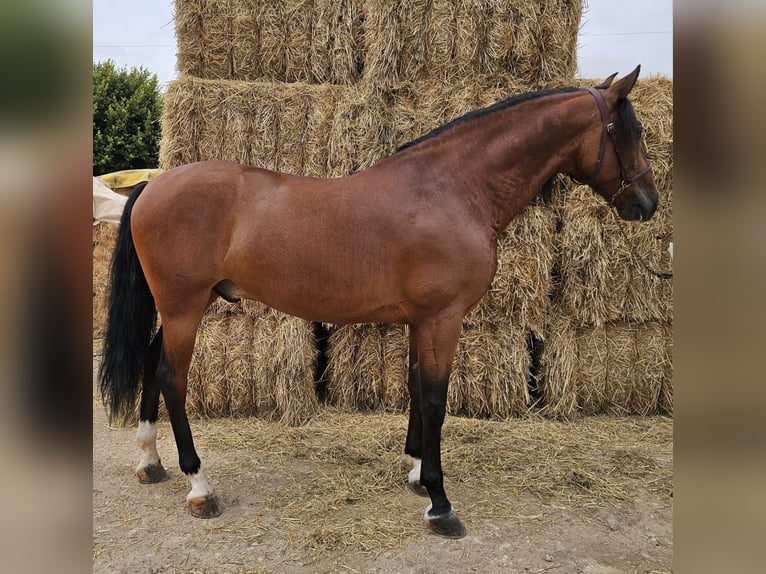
516, 151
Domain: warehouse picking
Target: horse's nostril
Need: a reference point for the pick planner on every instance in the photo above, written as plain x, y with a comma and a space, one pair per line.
646, 206
640, 208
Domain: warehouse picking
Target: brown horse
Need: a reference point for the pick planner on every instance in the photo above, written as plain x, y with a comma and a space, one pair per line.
411, 240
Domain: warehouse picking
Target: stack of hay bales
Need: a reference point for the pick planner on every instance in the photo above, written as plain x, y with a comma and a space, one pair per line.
608, 347
325, 89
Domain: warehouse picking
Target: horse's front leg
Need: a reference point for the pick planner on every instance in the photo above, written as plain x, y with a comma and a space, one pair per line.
414, 443
436, 344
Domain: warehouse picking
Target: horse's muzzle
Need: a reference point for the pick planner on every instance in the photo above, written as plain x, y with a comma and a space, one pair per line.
640, 206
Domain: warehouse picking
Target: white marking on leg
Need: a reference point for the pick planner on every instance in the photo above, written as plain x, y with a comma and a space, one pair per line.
414, 476
147, 440
200, 486
428, 509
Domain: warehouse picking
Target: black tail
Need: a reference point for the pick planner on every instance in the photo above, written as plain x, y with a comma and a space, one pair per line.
131, 319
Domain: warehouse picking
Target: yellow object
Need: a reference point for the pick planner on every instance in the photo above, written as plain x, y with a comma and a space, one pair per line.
127, 179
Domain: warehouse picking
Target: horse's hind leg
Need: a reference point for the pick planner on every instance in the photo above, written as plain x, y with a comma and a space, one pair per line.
180, 333
150, 468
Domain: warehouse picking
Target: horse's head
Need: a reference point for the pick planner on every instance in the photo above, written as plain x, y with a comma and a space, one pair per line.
614, 161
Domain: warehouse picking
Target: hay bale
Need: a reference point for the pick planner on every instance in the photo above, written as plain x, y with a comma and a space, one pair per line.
615, 368
250, 360
560, 370
396, 353
283, 355
313, 130
638, 367
622, 368
290, 367
208, 389
490, 373
104, 239
666, 392
601, 280
359, 136
316, 41
367, 367
337, 48
653, 359
413, 109
489, 41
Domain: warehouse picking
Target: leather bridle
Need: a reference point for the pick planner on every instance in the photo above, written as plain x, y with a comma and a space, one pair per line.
627, 181
609, 133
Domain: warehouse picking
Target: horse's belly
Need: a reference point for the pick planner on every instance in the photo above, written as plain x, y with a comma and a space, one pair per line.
314, 305
314, 293
344, 315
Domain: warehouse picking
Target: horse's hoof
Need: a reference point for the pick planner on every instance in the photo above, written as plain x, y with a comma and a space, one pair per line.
418, 488
205, 506
152, 473
446, 525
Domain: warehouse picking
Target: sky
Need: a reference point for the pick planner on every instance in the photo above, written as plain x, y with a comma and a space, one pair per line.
614, 37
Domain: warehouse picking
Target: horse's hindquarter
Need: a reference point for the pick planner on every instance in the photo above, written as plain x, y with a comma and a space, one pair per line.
356, 249
181, 226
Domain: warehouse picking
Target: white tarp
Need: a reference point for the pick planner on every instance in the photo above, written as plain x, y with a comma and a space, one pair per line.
107, 205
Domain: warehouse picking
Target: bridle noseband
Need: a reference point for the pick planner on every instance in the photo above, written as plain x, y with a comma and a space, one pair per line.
608, 132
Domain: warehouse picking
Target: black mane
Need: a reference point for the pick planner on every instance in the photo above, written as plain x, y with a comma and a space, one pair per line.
501, 105
627, 122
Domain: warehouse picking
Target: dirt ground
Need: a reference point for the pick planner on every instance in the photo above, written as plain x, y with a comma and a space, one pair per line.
593, 496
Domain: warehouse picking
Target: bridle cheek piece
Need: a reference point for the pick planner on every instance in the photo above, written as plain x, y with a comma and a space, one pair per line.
609, 133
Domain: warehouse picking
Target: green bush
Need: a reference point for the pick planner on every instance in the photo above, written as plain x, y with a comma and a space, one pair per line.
126, 118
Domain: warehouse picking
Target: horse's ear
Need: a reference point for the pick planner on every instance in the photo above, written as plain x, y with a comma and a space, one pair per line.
621, 88
606, 83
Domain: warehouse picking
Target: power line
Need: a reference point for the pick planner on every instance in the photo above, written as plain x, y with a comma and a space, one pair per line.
627, 33
134, 46
582, 34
